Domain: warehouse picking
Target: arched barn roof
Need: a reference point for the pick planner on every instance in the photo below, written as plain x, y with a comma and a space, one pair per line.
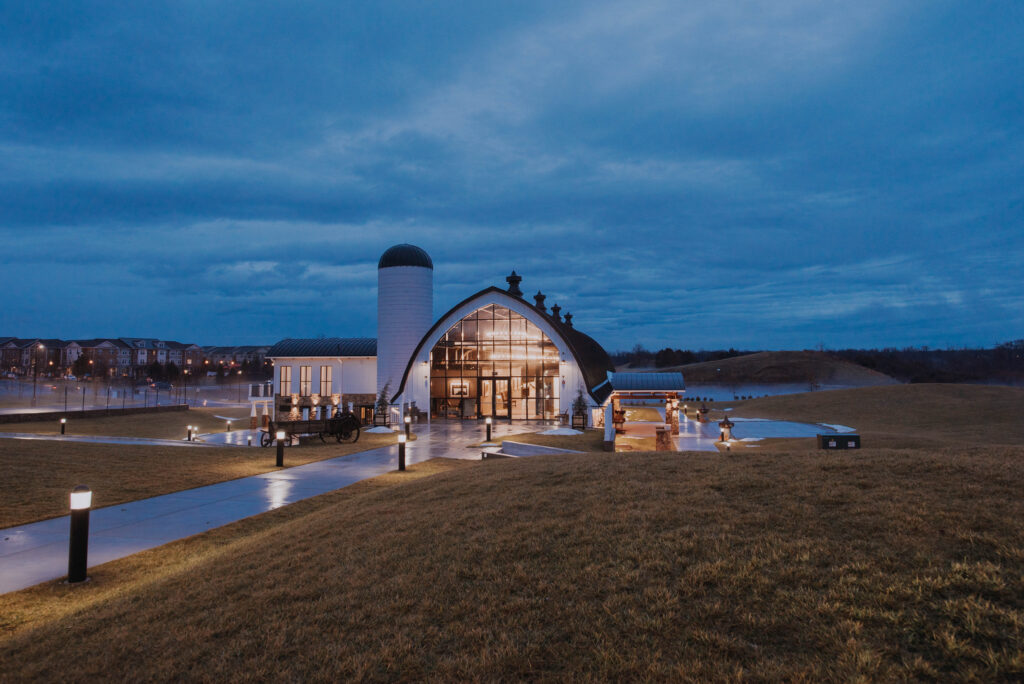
590, 356
405, 255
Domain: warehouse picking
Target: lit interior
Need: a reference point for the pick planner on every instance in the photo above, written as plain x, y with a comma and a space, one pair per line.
494, 362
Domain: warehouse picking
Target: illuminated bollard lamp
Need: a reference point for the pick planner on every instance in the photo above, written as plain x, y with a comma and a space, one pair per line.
78, 544
487, 421
408, 426
280, 448
248, 440
63, 425
401, 451
229, 426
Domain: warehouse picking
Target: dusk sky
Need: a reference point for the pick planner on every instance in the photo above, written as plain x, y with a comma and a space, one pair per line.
759, 175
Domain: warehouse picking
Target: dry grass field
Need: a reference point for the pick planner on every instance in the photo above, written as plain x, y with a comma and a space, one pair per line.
168, 425
877, 565
885, 565
36, 476
922, 415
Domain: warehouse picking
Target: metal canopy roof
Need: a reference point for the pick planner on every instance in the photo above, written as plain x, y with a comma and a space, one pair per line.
325, 346
646, 382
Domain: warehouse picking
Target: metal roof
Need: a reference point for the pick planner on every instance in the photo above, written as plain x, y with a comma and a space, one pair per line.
646, 382
405, 255
325, 346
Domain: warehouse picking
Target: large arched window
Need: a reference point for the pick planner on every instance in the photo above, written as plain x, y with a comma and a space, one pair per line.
494, 362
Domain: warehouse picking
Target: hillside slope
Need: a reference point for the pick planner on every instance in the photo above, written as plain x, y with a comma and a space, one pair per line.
920, 414
700, 567
781, 367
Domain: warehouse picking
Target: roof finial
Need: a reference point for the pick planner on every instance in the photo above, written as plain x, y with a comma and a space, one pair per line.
568, 319
513, 284
539, 298
556, 313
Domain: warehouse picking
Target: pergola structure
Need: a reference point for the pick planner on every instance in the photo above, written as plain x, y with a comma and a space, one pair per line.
666, 387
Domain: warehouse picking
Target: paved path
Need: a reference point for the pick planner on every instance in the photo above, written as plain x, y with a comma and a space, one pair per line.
101, 439
38, 552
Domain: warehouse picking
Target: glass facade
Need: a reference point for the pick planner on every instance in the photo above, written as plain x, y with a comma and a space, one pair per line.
494, 362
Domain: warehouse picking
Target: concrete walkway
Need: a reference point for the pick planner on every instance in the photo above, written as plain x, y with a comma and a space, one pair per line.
101, 439
37, 552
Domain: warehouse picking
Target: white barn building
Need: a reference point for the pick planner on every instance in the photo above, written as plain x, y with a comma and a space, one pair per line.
493, 354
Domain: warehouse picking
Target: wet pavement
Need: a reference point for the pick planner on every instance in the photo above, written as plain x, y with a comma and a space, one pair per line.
37, 552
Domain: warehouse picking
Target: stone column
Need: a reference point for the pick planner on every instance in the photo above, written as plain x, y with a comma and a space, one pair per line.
663, 438
675, 416
609, 427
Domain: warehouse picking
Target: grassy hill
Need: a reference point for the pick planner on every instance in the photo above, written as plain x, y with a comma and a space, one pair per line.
919, 415
882, 564
787, 367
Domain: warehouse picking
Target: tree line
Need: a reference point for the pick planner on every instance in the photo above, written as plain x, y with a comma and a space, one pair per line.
1003, 363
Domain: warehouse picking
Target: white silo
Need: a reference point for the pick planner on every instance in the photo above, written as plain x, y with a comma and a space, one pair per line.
405, 310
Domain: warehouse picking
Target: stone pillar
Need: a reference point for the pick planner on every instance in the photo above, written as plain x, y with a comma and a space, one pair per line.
675, 416
253, 421
265, 420
609, 427
726, 425
663, 438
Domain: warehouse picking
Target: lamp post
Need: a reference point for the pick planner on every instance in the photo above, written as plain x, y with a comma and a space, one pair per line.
408, 426
78, 545
401, 451
280, 448
63, 424
487, 421
35, 372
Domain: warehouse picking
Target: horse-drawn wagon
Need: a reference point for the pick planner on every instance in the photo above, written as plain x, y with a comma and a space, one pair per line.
344, 427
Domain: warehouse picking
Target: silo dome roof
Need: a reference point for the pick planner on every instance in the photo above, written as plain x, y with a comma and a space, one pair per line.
405, 255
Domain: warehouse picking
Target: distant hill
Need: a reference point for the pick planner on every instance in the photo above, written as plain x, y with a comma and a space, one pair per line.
782, 367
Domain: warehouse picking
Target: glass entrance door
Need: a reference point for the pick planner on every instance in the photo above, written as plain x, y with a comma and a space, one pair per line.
494, 397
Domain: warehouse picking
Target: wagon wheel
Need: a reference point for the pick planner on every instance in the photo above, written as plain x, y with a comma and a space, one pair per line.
348, 435
265, 439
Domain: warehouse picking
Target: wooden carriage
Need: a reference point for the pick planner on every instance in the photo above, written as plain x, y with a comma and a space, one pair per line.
344, 427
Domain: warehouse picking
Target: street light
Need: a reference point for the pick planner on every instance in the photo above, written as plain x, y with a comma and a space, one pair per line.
401, 451
78, 545
35, 372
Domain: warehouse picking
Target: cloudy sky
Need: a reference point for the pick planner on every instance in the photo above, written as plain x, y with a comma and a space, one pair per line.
776, 174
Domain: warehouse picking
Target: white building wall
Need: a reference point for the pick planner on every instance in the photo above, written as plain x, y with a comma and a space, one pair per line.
349, 375
405, 312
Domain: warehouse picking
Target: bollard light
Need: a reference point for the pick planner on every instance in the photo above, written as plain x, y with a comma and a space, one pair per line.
229, 426
63, 425
401, 451
408, 426
487, 421
248, 440
280, 448
189, 438
78, 543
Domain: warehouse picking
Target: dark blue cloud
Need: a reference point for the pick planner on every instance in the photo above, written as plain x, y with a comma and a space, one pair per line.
765, 175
